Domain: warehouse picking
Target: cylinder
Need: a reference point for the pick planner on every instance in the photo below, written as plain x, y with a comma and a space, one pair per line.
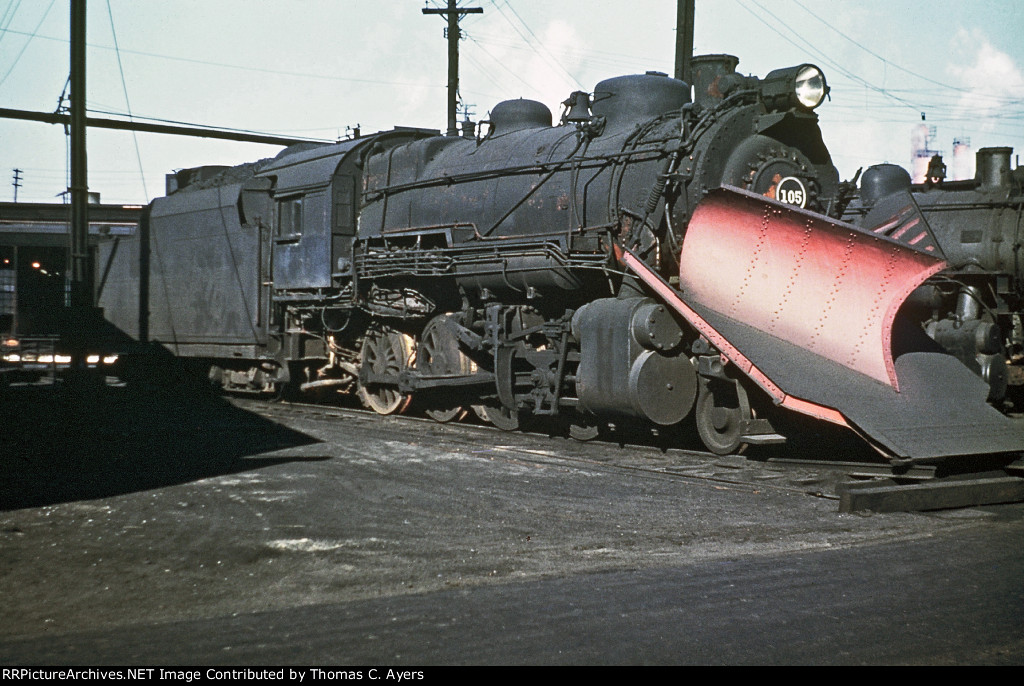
655, 328
623, 370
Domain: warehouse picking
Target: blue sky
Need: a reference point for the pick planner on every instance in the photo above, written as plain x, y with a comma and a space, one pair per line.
315, 67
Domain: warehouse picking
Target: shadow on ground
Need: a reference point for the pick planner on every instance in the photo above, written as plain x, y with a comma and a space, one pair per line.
60, 445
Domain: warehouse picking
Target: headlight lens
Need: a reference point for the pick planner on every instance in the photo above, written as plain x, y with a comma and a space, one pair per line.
810, 88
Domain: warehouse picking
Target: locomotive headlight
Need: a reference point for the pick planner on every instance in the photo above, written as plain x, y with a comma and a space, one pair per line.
810, 86
802, 86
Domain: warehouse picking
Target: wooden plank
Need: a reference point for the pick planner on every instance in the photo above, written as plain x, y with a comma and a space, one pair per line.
893, 497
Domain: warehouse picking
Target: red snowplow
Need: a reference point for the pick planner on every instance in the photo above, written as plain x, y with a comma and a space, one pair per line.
808, 309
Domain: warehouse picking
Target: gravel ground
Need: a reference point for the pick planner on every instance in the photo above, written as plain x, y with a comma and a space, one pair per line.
122, 509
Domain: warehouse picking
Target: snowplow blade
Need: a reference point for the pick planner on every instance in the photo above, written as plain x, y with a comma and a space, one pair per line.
826, 287
807, 308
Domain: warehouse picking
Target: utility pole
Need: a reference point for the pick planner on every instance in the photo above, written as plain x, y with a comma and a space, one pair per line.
80, 325
454, 14
468, 127
17, 183
80, 295
684, 40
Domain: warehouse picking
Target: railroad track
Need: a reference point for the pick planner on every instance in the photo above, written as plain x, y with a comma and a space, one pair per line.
856, 485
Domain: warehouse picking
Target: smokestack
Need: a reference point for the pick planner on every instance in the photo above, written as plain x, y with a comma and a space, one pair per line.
994, 166
707, 70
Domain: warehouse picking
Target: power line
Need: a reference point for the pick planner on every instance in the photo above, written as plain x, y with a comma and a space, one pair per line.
226, 65
808, 45
893, 64
502, 65
549, 58
593, 57
926, 100
28, 42
127, 102
8, 16
872, 53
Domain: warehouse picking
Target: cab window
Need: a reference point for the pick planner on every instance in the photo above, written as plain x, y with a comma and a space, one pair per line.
289, 217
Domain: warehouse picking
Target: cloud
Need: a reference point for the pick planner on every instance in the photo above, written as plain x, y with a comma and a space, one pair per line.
542, 66
558, 62
992, 78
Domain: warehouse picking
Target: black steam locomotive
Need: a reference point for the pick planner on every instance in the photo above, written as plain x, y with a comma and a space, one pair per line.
650, 258
974, 307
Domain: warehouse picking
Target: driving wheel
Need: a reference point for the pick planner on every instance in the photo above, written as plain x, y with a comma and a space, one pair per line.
439, 354
384, 352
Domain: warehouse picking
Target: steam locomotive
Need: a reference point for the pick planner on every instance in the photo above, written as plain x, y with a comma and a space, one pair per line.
974, 308
652, 258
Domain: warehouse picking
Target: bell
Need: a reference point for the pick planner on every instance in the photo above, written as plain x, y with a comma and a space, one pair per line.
577, 108
936, 170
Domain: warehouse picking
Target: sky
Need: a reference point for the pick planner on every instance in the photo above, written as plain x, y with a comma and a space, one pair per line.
313, 68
